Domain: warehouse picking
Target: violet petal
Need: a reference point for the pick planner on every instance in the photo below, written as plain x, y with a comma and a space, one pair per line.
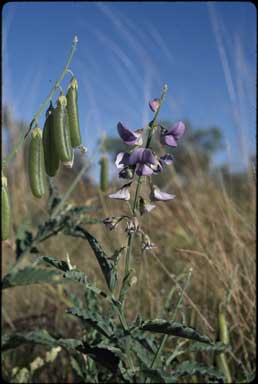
129, 137
136, 156
154, 104
122, 194
148, 157
143, 170
157, 194
177, 130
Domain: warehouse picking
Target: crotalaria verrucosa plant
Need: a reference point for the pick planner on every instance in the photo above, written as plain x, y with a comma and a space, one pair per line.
109, 348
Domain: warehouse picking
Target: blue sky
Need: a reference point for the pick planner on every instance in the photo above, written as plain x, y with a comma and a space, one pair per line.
205, 52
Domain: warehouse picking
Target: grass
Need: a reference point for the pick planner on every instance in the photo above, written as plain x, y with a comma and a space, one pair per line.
209, 227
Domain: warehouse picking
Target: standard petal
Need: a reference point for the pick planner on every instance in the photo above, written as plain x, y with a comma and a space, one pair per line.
177, 130
169, 140
148, 157
122, 194
129, 137
136, 156
157, 194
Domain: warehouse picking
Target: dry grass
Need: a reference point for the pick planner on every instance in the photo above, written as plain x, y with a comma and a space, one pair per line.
206, 228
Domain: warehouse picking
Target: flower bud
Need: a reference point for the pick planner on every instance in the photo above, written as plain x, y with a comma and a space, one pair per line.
112, 222
132, 225
154, 105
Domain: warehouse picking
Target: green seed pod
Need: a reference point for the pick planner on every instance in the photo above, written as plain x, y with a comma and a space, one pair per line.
73, 115
36, 164
62, 130
6, 210
104, 173
50, 153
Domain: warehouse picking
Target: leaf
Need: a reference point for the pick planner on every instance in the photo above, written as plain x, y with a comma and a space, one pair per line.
23, 242
173, 328
106, 264
105, 355
30, 275
93, 320
197, 346
37, 337
59, 264
194, 368
158, 376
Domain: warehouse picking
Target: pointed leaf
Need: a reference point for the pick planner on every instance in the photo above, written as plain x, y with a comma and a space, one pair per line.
93, 320
30, 275
195, 368
173, 328
106, 264
59, 264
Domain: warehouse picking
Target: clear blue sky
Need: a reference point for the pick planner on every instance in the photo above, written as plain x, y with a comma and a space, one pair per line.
205, 52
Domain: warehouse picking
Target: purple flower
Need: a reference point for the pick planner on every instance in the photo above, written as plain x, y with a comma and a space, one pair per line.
122, 194
172, 135
144, 160
154, 105
157, 194
129, 137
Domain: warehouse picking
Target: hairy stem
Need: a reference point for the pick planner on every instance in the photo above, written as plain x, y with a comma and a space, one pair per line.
26, 131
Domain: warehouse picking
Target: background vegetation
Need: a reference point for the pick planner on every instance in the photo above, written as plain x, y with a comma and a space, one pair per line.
210, 227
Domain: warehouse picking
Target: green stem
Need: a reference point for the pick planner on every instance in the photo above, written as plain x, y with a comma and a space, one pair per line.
165, 337
25, 133
151, 126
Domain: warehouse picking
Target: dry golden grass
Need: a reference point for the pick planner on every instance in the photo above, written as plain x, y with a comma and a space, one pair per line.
205, 228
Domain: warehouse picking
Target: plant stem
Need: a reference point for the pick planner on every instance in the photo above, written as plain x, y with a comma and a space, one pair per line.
25, 133
151, 127
165, 337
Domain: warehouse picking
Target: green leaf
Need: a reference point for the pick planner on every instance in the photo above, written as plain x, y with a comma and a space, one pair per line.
197, 346
105, 355
195, 368
93, 320
158, 376
37, 337
30, 275
59, 264
173, 328
106, 264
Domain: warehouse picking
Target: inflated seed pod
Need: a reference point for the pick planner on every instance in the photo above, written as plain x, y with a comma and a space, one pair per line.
104, 173
73, 115
36, 164
50, 152
6, 210
62, 130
